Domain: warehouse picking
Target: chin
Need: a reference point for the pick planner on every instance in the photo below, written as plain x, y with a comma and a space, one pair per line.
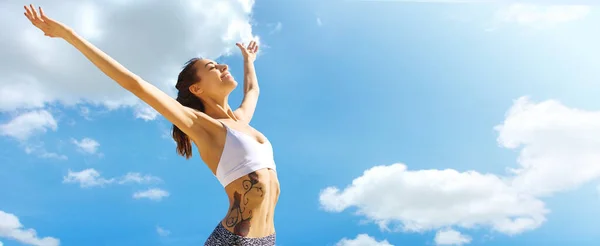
232, 82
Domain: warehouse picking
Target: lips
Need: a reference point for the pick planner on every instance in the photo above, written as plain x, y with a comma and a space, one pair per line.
225, 74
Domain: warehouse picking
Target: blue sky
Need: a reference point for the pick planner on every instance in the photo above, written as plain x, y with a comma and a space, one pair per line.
393, 123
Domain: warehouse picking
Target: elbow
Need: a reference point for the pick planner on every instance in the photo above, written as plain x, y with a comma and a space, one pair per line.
133, 84
253, 90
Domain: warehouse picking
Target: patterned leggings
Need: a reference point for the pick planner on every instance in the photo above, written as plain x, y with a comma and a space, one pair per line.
222, 237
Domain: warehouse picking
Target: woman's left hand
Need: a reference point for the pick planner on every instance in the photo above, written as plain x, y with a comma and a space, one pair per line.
249, 52
49, 26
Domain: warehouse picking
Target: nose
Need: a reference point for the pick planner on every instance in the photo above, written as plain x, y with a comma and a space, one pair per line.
223, 67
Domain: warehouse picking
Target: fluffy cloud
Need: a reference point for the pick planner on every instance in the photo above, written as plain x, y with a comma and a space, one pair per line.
87, 178
23, 126
11, 228
91, 178
154, 194
558, 146
86, 145
451, 237
138, 178
558, 151
37, 70
362, 240
431, 199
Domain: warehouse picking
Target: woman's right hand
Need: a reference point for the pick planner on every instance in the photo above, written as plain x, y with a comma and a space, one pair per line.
50, 27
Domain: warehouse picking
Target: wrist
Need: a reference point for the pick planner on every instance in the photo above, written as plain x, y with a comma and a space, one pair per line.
68, 34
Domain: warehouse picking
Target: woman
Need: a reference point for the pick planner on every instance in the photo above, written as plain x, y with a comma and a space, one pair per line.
239, 156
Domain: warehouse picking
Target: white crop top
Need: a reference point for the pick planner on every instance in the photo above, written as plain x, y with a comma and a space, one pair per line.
242, 154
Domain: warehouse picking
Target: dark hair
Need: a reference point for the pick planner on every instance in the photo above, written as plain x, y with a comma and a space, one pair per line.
186, 78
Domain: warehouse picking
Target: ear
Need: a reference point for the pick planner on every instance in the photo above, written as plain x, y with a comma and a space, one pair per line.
195, 89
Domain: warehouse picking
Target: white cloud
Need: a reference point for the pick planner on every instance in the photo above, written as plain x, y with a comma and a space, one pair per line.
152, 194
87, 178
451, 237
39, 150
23, 126
542, 15
362, 240
11, 228
558, 151
86, 145
559, 147
37, 70
161, 232
139, 179
425, 200
145, 112
91, 178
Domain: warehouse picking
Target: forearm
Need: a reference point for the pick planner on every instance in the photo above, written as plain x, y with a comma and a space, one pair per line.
250, 80
105, 63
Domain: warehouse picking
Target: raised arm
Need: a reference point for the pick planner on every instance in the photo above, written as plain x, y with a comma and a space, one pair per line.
183, 117
251, 90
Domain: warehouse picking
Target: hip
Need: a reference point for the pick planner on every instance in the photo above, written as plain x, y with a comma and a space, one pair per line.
222, 236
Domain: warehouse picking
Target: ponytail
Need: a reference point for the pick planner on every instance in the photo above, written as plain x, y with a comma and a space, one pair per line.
186, 78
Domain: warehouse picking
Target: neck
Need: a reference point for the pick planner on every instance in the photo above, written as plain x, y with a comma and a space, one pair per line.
218, 108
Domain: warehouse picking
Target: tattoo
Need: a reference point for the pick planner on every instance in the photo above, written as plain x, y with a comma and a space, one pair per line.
236, 218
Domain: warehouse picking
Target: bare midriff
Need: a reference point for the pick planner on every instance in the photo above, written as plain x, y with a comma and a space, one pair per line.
252, 201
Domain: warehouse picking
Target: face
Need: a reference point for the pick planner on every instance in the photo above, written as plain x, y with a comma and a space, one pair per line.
215, 79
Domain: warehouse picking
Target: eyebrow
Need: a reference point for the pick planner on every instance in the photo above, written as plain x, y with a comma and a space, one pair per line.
209, 63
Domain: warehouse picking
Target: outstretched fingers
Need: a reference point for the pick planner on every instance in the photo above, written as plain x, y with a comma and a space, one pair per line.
33, 15
42, 15
29, 14
251, 45
251, 48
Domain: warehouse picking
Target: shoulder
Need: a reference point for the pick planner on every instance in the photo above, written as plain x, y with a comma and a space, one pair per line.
242, 116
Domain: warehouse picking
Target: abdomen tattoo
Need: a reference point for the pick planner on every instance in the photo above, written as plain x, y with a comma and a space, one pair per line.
238, 218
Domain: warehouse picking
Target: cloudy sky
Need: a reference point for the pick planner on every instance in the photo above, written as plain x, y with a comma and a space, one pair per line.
393, 122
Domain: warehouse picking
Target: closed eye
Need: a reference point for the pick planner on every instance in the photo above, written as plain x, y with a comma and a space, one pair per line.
211, 67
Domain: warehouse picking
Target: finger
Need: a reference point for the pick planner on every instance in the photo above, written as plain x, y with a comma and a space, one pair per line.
255, 49
37, 15
32, 12
251, 45
28, 13
43, 15
29, 18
